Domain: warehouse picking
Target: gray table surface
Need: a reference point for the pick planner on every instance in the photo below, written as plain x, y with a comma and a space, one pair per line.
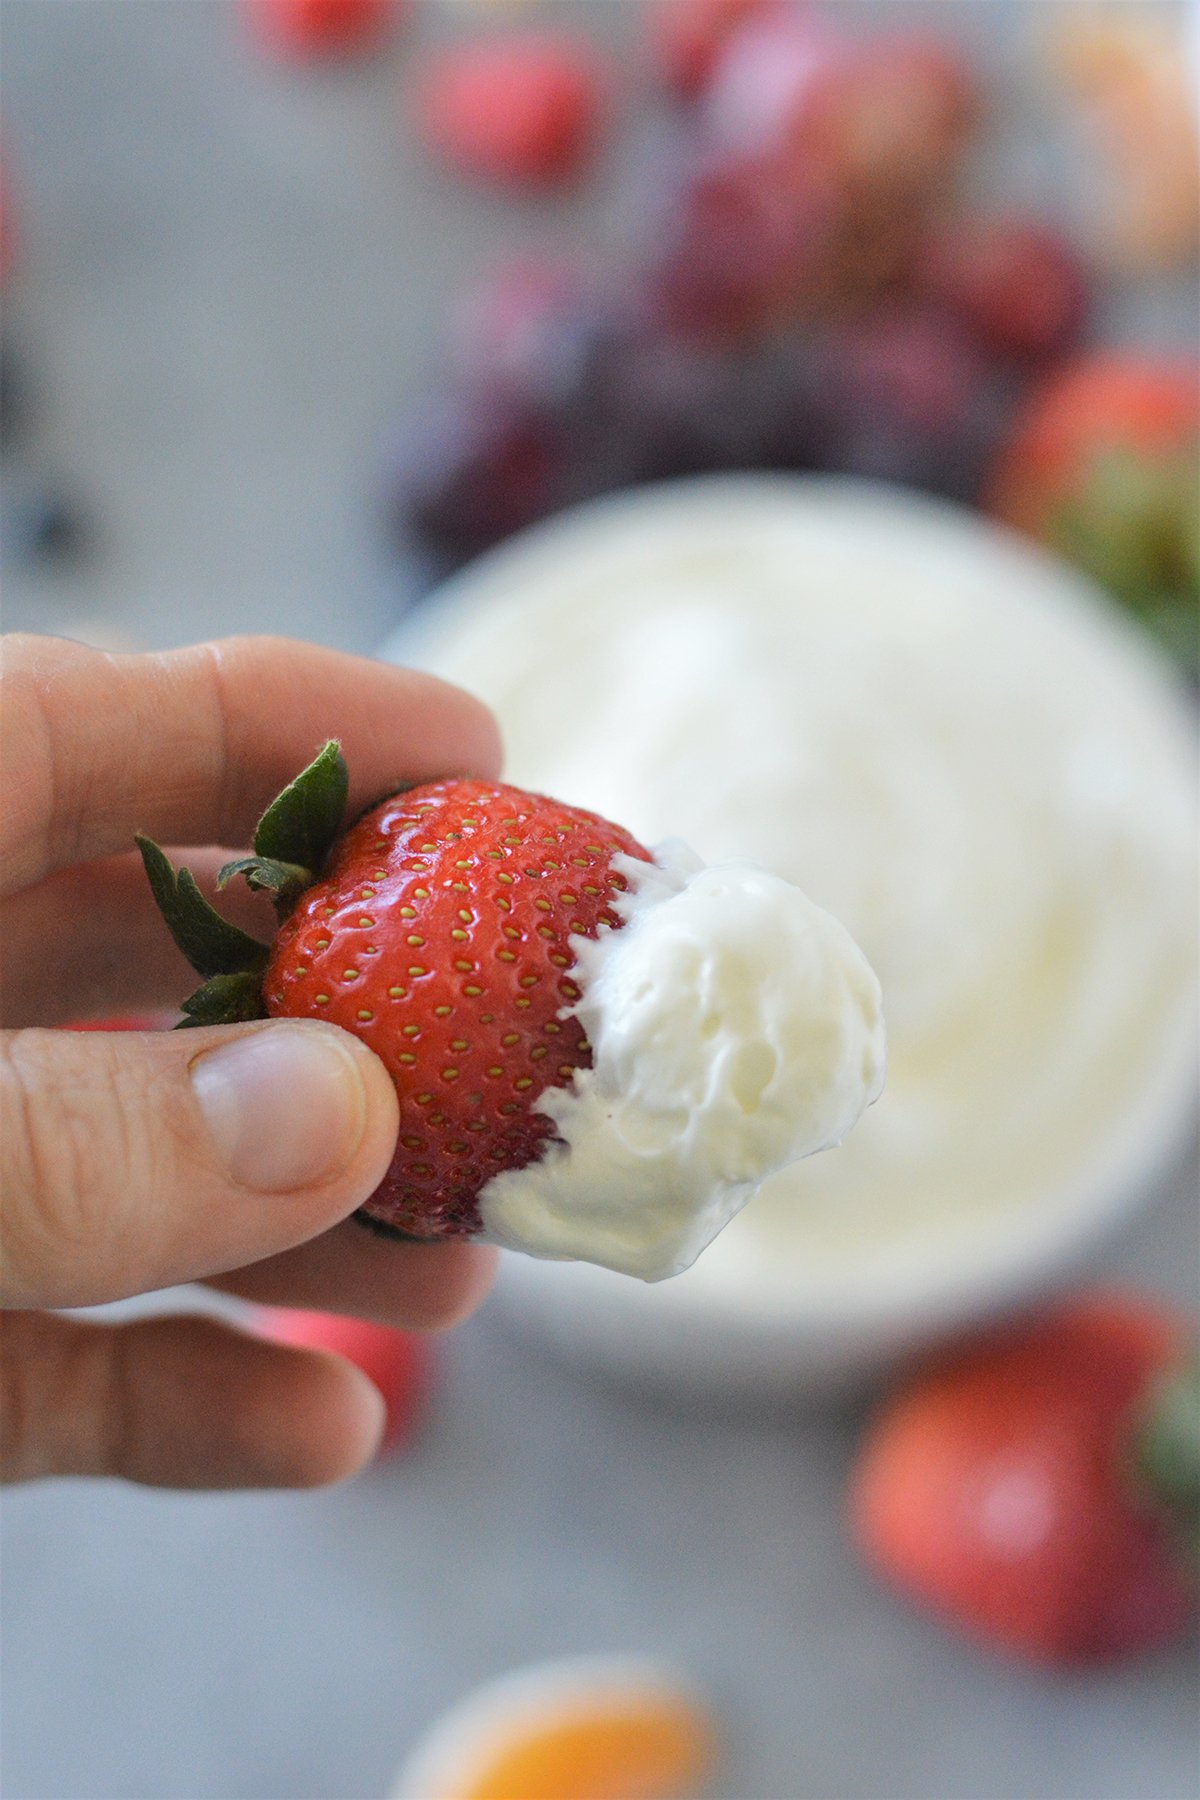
232, 274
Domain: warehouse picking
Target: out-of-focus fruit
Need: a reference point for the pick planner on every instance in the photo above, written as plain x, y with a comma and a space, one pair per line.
744, 245
882, 116
1135, 88
686, 37
915, 402
522, 110
469, 469
400, 1363
893, 117
1103, 465
678, 406
303, 29
1040, 1488
1016, 285
620, 1728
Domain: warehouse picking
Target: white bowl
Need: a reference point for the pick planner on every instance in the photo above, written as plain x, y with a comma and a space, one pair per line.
1000, 741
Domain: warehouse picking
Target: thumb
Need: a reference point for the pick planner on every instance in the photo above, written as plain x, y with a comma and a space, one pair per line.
132, 1161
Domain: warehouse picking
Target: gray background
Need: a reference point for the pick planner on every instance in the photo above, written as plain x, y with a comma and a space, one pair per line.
231, 275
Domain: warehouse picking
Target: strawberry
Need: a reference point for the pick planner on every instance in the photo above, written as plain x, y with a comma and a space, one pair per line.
1102, 465
303, 29
437, 929
398, 1362
522, 110
1036, 1489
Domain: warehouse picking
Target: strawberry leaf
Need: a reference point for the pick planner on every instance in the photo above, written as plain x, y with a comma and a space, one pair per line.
211, 944
285, 880
300, 825
225, 1000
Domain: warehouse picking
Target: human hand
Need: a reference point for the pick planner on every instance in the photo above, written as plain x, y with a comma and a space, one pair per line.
231, 1155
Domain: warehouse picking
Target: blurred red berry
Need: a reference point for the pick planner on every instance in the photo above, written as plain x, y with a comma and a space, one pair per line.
744, 244
521, 110
398, 1362
1016, 285
316, 28
1030, 1487
687, 36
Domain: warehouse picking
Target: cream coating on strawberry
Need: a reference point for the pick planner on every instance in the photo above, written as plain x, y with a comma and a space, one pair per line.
735, 1028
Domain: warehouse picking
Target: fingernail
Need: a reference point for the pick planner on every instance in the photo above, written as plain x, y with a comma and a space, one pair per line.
285, 1105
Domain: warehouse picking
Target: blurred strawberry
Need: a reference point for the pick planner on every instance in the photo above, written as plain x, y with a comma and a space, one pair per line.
398, 1362
687, 36
1040, 1488
1015, 284
1103, 465
523, 110
303, 29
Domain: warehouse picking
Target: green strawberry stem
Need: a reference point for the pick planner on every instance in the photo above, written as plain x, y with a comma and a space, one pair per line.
291, 843
1167, 1453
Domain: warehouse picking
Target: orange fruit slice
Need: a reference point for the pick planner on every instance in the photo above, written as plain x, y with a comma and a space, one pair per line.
612, 1728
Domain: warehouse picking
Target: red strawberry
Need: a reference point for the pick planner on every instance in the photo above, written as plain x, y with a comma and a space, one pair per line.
1025, 1488
438, 932
1103, 464
1016, 285
398, 1362
522, 110
315, 28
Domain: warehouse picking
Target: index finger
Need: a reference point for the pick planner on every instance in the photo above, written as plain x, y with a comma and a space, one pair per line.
193, 744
